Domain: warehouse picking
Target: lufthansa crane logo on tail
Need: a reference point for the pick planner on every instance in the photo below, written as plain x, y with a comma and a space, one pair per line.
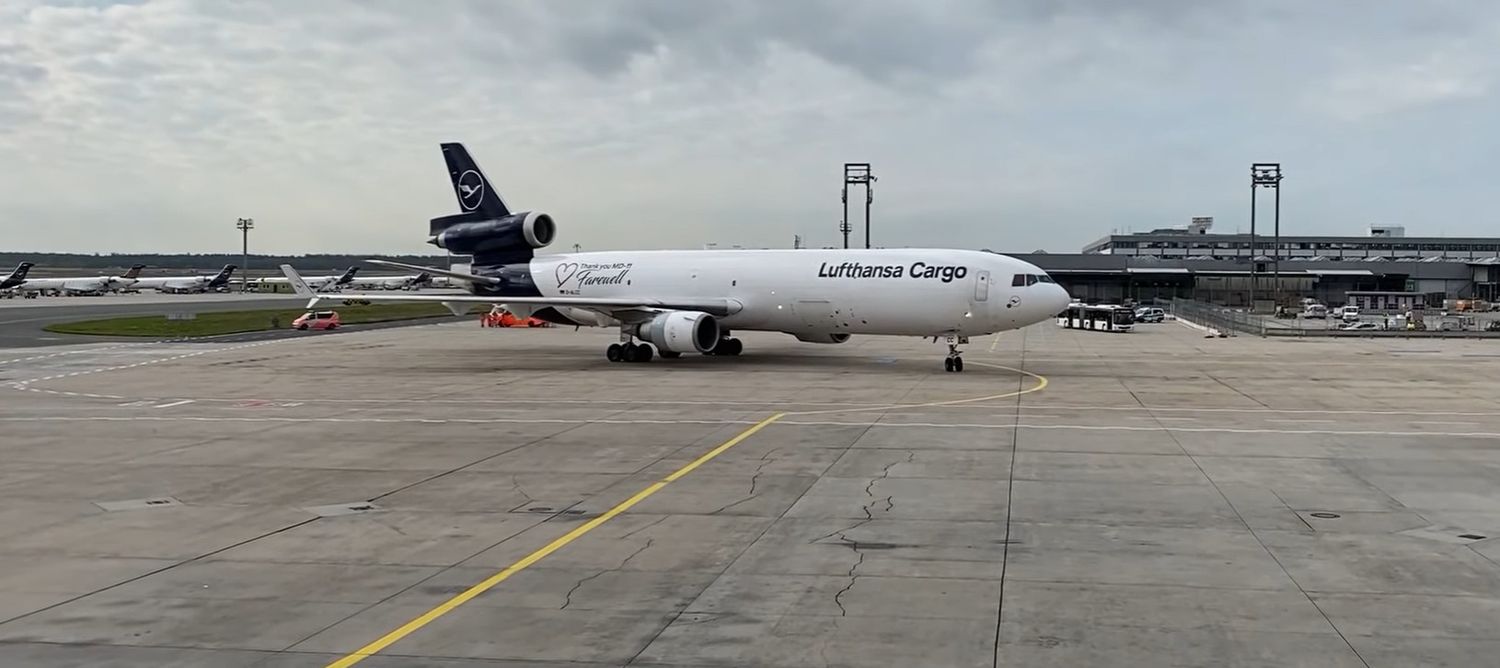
470, 190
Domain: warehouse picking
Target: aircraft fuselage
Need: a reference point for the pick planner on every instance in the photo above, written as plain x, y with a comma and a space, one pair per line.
913, 292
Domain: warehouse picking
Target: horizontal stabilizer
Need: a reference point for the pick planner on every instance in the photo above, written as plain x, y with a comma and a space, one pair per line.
456, 275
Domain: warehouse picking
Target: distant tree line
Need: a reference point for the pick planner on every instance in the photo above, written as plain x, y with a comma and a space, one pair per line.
209, 261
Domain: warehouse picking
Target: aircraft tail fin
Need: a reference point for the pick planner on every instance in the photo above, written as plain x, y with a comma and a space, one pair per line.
134, 272
223, 276
474, 192
348, 276
20, 272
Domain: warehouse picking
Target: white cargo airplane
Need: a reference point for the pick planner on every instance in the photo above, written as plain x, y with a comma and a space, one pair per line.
329, 282
689, 301
182, 284
80, 285
406, 282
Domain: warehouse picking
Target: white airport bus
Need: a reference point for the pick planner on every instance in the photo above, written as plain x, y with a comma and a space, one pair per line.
1097, 317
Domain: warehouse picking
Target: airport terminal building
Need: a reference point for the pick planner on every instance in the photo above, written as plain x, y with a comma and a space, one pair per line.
1383, 243
1195, 264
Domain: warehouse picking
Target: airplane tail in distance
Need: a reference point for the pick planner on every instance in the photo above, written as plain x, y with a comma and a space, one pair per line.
134, 272
475, 194
348, 276
20, 273
222, 277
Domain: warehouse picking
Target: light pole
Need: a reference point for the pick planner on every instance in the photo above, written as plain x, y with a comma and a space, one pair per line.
244, 225
856, 173
1266, 175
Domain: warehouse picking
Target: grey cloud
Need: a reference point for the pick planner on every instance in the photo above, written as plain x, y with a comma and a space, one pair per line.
694, 117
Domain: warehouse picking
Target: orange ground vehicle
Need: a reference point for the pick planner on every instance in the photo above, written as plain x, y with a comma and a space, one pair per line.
502, 318
317, 320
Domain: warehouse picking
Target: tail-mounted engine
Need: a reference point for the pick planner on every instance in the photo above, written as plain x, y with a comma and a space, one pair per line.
476, 237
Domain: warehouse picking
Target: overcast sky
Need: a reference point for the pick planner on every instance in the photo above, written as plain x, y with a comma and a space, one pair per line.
151, 126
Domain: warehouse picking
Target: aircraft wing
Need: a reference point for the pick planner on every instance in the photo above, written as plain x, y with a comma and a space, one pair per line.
620, 309
457, 275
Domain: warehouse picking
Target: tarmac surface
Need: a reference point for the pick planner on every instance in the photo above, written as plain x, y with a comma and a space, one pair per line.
456, 496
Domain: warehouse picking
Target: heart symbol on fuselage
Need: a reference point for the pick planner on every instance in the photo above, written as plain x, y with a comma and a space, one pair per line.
565, 271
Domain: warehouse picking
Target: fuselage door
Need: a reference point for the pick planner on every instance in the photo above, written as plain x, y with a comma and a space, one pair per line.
981, 285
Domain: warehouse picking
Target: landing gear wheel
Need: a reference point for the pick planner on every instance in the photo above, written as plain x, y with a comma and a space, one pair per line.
954, 362
730, 347
669, 355
638, 353
615, 352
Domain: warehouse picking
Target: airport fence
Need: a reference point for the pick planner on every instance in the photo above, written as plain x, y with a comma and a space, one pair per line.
1226, 320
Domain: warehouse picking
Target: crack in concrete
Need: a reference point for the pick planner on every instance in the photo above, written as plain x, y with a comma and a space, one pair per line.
633, 532
885, 474
838, 598
635, 554
568, 598
755, 479
890, 503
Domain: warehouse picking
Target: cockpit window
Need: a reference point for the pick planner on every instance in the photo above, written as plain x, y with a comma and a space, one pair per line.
1045, 279
1019, 280
1031, 279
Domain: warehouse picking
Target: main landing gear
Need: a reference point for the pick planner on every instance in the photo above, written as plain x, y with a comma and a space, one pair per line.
629, 352
728, 347
955, 360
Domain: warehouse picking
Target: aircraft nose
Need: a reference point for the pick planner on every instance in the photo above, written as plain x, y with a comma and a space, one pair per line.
1058, 298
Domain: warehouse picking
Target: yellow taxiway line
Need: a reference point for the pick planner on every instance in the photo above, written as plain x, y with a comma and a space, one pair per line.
489, 583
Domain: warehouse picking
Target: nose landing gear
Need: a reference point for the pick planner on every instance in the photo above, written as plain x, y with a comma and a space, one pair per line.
955, 361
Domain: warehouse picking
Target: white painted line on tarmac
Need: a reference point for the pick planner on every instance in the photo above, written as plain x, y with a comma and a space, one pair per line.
1298, 421
817, 423
175, 403
1284, 411
781, 402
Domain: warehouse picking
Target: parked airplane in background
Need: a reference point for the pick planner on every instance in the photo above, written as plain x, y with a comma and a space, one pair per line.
183, 284
690, 301
81, 285
329, 282
16, 277
407, 282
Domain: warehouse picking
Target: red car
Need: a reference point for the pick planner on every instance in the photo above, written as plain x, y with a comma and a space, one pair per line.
317, 320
